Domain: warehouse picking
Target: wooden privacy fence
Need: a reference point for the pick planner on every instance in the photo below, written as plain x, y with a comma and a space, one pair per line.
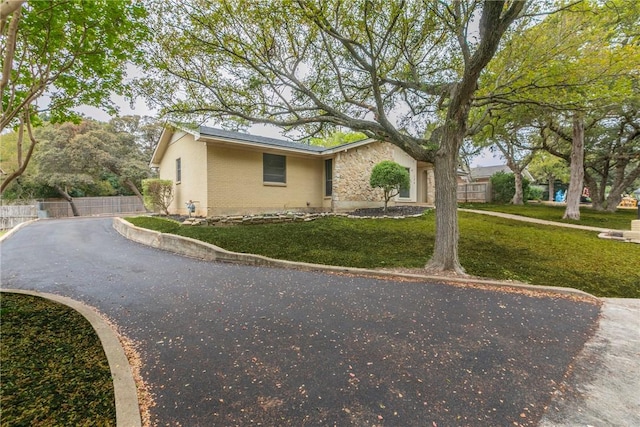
479, 192
90, 206
12, 215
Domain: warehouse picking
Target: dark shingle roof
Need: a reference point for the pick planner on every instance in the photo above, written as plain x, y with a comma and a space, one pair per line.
262, 140
488, 171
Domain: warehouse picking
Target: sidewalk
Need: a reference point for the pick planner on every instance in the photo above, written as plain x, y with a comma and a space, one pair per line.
536, 220
603, 387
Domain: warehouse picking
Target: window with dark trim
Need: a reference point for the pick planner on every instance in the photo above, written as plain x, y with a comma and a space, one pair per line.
178, 169
274, 168
405, 192
328, 177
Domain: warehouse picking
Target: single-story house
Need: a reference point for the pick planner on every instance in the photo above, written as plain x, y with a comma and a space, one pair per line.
234, 173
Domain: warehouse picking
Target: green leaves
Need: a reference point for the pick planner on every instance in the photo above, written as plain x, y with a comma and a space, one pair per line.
77, 156
569, 60
76, 52
391, 177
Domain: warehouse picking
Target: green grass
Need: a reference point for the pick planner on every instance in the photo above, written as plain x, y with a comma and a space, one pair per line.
54, 370
619, 220
489, 247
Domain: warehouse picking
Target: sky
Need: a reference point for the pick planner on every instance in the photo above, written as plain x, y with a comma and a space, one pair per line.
486, 158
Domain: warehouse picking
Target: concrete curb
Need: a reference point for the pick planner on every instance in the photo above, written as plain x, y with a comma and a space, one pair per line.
124, 386
208, 252
16, 228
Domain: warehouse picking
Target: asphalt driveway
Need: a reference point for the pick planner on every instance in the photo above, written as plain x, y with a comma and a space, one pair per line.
236, 345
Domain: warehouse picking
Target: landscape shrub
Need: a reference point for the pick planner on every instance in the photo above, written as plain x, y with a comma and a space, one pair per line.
503, 186
391, 177
534, 193
157, 194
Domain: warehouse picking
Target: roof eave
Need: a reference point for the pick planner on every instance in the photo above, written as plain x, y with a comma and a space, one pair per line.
349, 146
263, 146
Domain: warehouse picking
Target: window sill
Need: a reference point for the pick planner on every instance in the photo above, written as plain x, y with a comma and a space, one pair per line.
274, 184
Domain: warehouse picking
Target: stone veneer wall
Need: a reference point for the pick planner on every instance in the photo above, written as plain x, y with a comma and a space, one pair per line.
352, 170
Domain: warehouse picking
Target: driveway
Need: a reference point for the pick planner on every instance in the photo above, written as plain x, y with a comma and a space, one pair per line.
236, 345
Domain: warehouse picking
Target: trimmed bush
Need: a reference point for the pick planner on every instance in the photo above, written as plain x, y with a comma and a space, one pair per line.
391, 177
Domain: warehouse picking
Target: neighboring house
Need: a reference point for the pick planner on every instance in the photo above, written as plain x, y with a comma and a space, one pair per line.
233, 173
484, 173
475, 186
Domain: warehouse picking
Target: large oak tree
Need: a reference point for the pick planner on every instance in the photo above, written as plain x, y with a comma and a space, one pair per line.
72, 156
390, 69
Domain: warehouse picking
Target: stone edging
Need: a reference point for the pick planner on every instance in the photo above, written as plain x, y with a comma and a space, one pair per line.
124, 386
621, 236
196, 249
278, 218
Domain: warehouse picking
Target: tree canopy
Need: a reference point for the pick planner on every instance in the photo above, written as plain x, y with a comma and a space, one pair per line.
397, 70
570, 76
58, 55
85, 159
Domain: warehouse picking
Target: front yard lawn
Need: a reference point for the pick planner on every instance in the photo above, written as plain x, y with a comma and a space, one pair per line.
54, 370
489, 247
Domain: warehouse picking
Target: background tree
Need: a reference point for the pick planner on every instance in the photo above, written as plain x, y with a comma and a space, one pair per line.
391, 178
545, 167
116, 152
88, 158
612, 152
338, 138
572, 63
612, 157
146, 131
60, 163
512, 135
383, 68
503, 187
58, 55
158, 194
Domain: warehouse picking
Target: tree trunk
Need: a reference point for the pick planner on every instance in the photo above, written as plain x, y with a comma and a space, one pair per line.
22, 164
620, 183
518, 197
135, 191
69, 199
445, 252
613, 201
574, 193
552, 187
597, 196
